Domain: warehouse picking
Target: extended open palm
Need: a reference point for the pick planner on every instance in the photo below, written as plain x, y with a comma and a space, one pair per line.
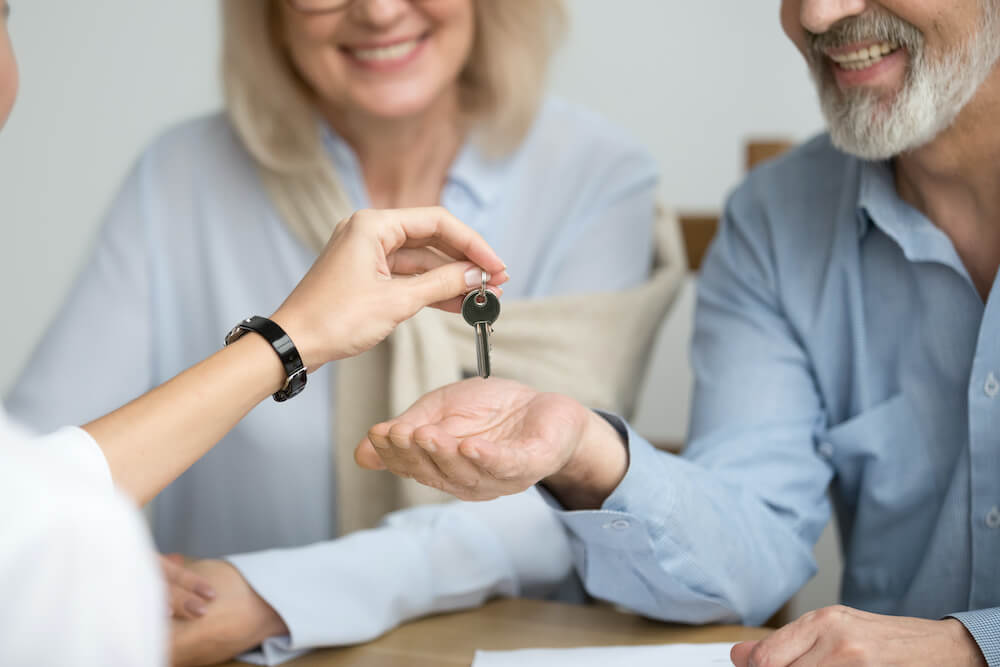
479, 439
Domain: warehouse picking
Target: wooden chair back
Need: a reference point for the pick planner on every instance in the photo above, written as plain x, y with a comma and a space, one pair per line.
699, 228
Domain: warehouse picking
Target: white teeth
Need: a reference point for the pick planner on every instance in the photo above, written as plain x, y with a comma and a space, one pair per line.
865, 57
382, 53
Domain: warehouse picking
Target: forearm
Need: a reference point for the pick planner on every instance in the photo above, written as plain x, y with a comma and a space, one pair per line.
421, 561
153, 439
655, 545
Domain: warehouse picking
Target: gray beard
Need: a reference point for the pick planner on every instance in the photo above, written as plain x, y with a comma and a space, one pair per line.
932, 96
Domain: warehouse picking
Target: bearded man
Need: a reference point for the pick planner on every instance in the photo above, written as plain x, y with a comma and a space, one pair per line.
847, 340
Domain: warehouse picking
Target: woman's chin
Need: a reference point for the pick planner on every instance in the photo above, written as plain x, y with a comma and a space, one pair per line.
395, 109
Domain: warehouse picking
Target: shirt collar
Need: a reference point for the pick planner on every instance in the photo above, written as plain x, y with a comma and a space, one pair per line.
879, 204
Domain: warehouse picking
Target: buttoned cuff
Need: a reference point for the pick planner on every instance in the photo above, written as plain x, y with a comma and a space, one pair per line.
984, 626
614, 525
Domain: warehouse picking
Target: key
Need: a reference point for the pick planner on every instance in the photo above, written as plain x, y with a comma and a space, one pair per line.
481, 308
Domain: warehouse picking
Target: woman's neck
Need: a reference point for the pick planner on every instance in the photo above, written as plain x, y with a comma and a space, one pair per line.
404, 161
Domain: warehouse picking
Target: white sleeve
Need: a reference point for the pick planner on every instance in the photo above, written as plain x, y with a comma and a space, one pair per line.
73, 448
421, 561
70, 449
80, 581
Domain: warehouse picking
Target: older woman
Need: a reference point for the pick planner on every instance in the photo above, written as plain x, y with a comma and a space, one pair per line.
335, 105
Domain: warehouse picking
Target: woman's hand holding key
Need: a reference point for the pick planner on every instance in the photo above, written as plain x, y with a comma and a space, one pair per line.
379, 269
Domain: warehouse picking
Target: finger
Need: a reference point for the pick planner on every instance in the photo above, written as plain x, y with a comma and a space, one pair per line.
418, 260
435, 224
785, 646
740, 653
366, 456
445, 283
378, 436
405, 458
458, 472
180, 577
454, 305
185, 604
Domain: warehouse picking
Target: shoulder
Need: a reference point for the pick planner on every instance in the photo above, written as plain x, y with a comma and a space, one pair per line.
202, 147
805, 182
798, 202
582, 144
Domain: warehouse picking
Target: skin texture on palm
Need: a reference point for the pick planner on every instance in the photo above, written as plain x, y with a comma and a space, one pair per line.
480, 439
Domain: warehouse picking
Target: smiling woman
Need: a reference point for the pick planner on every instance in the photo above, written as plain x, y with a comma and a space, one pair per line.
394, 84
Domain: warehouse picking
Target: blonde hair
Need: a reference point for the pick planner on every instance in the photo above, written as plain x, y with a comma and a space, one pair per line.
273, 112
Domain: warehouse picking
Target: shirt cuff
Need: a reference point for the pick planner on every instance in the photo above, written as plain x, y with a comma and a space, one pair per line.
73, 448
984, 626
614, 525
259, 571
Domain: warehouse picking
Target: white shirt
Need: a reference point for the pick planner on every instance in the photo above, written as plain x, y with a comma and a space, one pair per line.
192, 245
80, 585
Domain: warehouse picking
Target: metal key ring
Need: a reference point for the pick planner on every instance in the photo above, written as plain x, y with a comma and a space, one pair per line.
481, 297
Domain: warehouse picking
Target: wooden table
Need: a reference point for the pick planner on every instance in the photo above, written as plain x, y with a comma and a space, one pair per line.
452, 639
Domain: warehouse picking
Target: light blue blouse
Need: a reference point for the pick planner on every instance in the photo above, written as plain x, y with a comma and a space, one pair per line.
191, 245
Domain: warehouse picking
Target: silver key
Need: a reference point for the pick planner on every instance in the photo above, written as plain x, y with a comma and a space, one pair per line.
481, 308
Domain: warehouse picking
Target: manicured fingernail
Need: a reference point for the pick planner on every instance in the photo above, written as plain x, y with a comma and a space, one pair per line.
195, 607
474, 277
205, 591
427, 446
471, 453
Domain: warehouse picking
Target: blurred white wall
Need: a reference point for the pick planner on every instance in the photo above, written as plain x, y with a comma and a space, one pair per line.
692, 80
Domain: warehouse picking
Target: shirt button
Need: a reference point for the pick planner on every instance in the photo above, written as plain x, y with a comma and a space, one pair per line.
992, 387
826, 450
618, 524
993, 518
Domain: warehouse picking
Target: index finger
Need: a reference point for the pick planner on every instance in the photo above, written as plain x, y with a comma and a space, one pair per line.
435, 225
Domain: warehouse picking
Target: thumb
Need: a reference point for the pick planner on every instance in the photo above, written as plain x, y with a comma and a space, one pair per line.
740, 653
445, 282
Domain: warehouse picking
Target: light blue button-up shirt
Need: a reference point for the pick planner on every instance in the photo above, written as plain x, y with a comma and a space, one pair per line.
840, 344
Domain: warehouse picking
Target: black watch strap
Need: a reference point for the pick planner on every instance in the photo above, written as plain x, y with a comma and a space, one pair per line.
295, 370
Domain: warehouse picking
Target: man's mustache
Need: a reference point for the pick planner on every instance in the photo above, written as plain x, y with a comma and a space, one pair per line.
867, 27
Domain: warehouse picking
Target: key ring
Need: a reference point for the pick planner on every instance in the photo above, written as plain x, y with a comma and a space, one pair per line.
481, 297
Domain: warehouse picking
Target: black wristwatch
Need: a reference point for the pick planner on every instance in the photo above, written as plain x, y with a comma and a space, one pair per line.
283, 345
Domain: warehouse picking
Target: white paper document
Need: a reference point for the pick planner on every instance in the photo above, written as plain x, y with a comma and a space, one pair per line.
669, 655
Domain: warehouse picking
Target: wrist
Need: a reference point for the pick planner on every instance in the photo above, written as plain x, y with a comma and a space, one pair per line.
266, 622
596, 468
270, 369
309, 344
965, 644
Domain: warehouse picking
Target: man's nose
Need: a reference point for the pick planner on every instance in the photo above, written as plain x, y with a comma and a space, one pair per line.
818, 16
